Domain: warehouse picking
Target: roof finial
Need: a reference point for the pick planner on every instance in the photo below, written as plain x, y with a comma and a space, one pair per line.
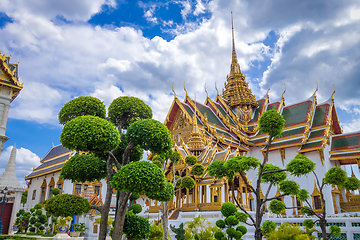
332, 95
216, 89
207, 95
173, 90
195, 120
185, 90
317, 88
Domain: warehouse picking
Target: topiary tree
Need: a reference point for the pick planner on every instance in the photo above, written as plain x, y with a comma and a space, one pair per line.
56, 191
22, 220
37, 219
66, 205
136, 227
107, 144
335, 176
272, 123
232, 219
288, 231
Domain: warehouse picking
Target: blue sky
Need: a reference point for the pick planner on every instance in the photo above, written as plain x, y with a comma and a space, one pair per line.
109, 48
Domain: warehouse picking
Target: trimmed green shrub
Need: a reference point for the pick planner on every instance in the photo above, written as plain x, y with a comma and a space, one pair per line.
136, 208
228, 209
81, 106
190, 160
66, 205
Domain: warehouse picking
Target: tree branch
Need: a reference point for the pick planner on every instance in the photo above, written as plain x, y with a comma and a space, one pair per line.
116, 162
247, 184
99, 208
280, 196
267, 192
237, 203
126, 154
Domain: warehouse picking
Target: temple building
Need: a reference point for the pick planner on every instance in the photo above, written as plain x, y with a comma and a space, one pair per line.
227, 126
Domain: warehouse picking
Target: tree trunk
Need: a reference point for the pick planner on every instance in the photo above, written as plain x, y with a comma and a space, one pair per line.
120, 216
165, 220
258, 218
322, 224
106, 207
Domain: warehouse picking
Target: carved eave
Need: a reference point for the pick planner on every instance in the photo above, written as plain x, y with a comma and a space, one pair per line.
11, 75
175, 106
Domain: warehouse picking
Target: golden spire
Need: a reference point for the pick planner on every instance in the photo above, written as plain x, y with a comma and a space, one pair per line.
237, 91
235, 67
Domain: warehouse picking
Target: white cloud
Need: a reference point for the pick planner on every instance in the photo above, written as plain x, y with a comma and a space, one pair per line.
25, 161
353, 126
60, 61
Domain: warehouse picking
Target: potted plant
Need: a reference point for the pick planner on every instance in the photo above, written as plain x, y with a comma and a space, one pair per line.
63, 225
79, 229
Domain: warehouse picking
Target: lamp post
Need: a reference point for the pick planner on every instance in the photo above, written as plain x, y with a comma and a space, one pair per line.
3, 200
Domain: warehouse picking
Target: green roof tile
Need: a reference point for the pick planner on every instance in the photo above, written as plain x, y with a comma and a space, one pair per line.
317, 133
296, 114
319, 116
309, 145
345, 142
292, 131
210, 115
285, 142
257, 111
224, 113
190, 111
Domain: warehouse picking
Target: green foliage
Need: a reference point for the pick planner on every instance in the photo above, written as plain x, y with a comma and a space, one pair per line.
249, 163
178, 181
335, 176
157, 158
309, 223
217, 169
219, 235
199, 228
38, 206
188, 182
157, 163
84, 167
288, 231
300, 166
165, 195
289, 187
302, 195
307, 210
228, 209
123, 111
179, 232
175, 157
242, 229
136, 208
241, 216
66, 205
22, 219
136, 227
151, 135
89, 133
24, 197
134, 196
272, 122
156, 231
351, 183
141, 177
197, 169
275, 178
190, 160
231, 232
81, 106
335, 230
231, 221
220, 224
268, 227
56, 191
276, 206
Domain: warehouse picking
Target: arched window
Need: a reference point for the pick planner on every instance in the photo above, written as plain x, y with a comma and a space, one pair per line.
33, 195
43, 191
51, 187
